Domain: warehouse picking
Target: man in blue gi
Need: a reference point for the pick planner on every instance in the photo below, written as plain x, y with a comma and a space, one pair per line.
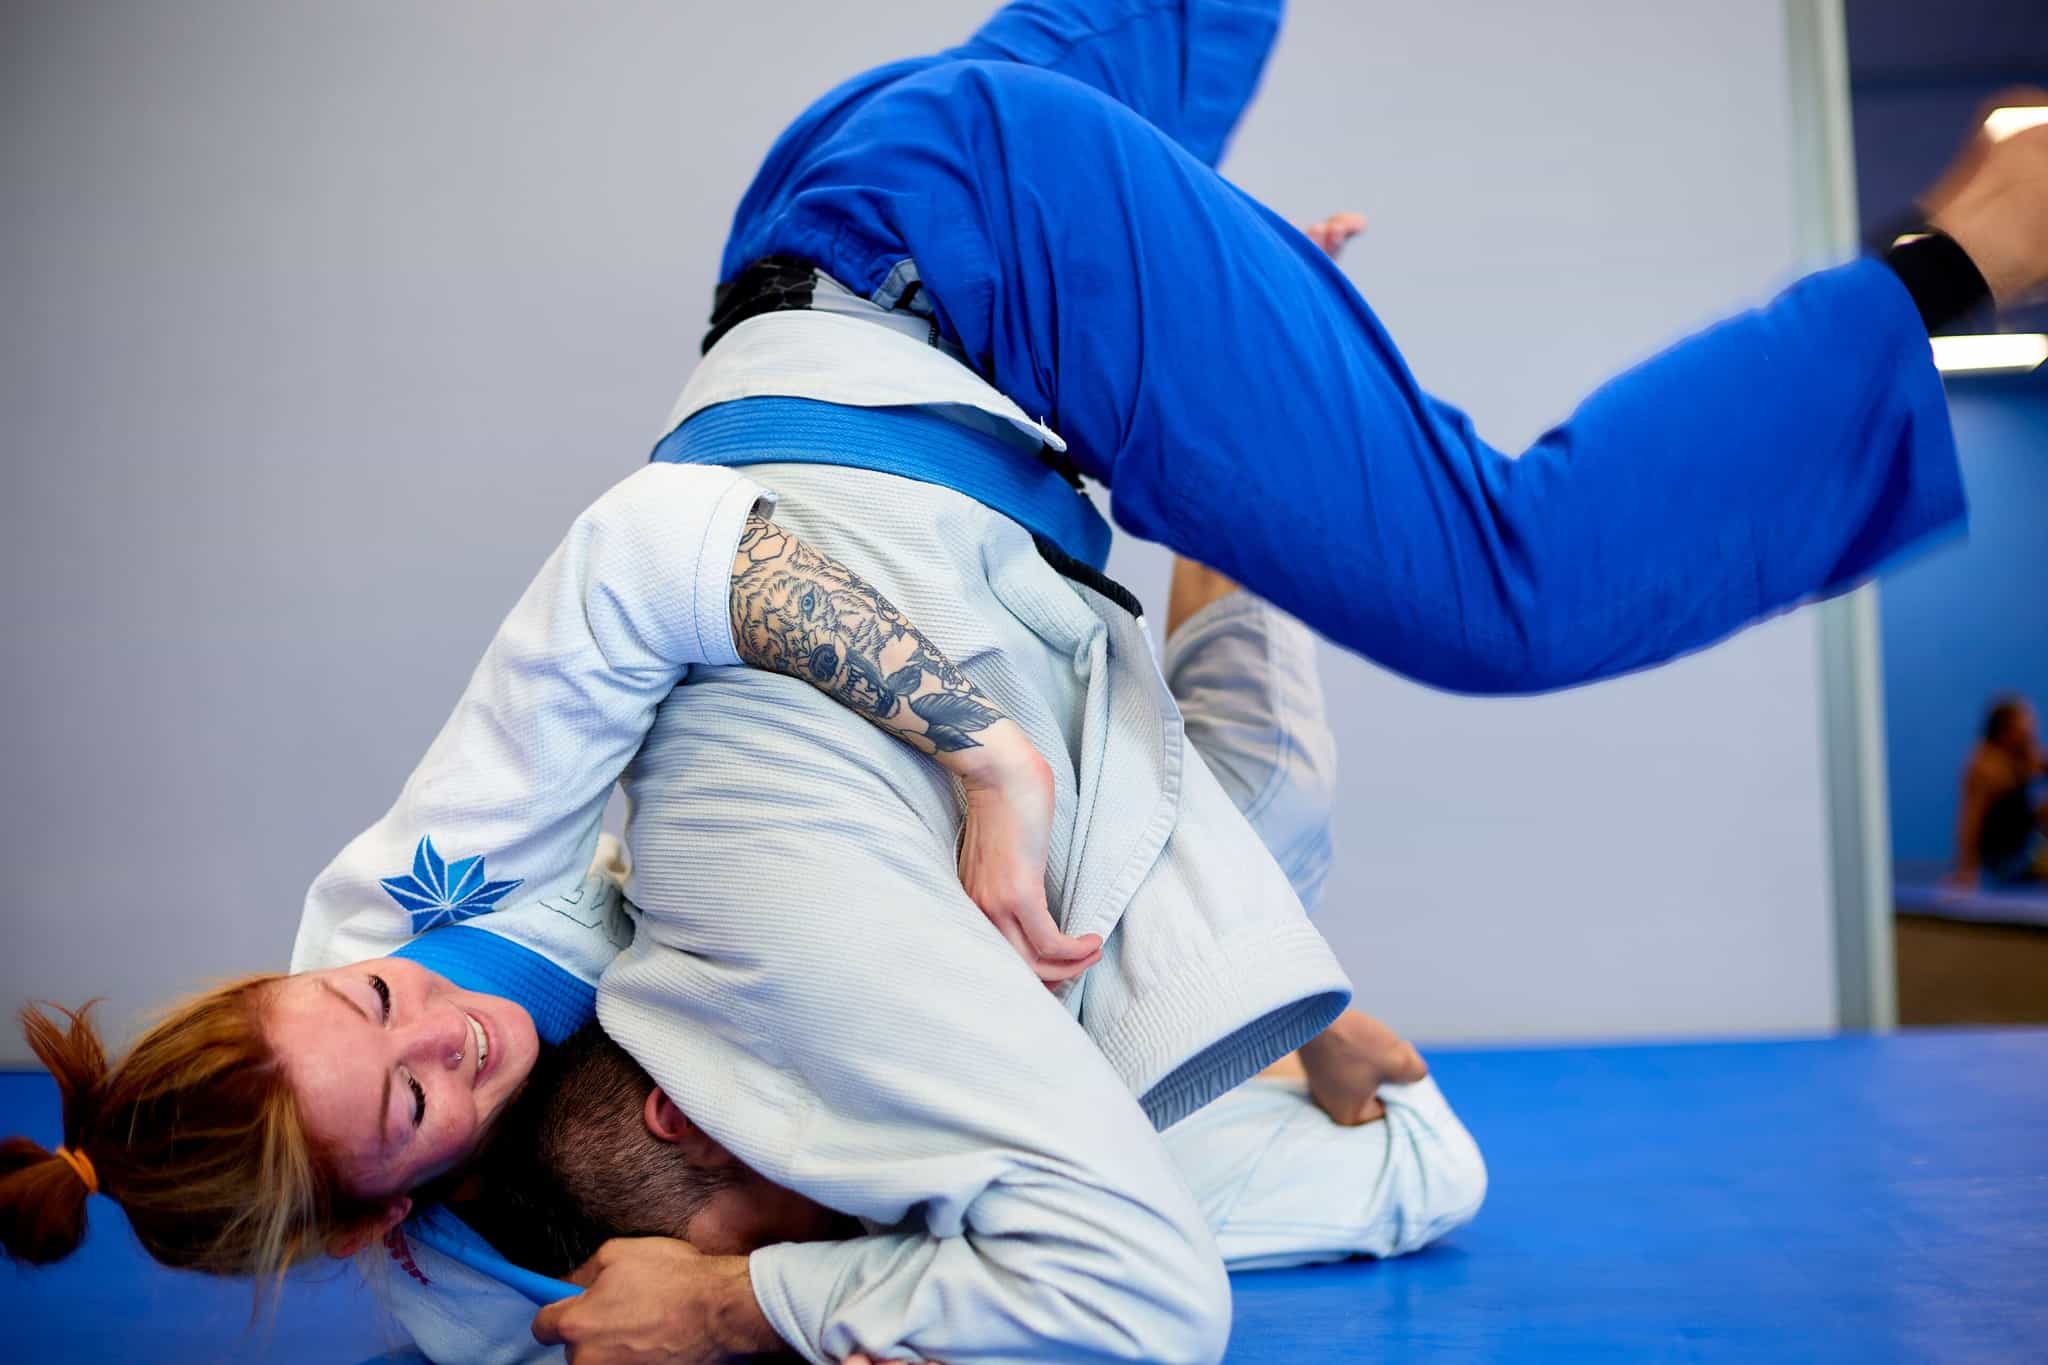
1043, 197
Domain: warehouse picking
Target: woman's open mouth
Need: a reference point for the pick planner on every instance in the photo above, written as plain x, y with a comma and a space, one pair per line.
479, 1043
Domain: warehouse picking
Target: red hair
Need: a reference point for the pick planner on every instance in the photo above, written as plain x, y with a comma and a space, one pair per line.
195, 1132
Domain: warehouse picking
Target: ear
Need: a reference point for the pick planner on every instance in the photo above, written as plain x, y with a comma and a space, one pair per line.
665, 1121
671, 1125
347, 1243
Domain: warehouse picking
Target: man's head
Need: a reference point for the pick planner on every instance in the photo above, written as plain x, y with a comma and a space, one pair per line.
2010, 725
595, 1150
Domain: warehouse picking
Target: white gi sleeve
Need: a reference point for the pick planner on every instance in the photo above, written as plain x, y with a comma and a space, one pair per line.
501, 818
1244, 675
938, 1088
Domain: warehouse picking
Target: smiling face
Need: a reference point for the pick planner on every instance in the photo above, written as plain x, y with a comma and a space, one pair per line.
397, 1073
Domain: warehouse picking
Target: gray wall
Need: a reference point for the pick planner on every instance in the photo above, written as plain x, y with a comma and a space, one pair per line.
322, 320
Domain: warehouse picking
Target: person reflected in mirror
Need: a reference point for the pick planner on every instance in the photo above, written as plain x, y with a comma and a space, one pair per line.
2000, 825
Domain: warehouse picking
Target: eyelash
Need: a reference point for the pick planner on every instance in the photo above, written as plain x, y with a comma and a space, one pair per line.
419, 1093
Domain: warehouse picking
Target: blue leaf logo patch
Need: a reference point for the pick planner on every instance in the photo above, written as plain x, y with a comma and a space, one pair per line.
438, 892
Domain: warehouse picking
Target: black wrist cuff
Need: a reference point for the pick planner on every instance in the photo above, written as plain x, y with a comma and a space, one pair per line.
1945, 283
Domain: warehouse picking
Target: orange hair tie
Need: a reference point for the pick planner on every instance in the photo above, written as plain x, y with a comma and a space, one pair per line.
81, 1163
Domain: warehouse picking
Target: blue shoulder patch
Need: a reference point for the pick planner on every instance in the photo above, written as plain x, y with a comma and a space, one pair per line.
438, 892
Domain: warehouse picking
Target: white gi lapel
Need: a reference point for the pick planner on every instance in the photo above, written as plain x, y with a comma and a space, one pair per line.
1130, 773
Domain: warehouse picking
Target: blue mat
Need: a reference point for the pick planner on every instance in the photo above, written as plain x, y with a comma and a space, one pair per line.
1856, 1199
1918, 889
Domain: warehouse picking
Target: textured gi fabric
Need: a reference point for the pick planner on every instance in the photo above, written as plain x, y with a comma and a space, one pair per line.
1211, 365
1251, 700
495, 832
1281, 1185
921, 442
782, 852
784, 862
1277, 1182
844, 349
805, 383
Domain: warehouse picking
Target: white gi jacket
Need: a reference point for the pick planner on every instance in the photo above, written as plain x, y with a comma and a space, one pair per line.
807, 979
1276, 1181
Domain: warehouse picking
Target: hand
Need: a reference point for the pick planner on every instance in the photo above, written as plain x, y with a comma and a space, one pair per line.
1349, 1061
1993, 199
1003, 852
1334, 231
657, 1301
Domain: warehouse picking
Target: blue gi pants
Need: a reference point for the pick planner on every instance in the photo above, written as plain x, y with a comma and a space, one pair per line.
1052, 182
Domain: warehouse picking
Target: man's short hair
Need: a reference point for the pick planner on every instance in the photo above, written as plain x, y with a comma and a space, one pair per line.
572, 1163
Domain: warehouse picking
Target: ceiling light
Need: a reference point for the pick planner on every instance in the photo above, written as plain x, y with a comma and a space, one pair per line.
2006, 351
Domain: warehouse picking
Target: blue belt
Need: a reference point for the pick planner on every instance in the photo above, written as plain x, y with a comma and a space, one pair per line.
906, 441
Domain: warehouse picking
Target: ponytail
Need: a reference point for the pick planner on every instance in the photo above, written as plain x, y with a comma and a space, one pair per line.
42, 1192
194, 1132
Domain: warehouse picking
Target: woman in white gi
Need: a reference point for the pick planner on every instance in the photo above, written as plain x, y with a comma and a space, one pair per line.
395, 1072
1279, 1180
280, 1118
1245, 678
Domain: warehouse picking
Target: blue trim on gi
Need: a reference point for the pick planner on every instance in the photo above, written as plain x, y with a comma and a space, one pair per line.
436, 1227
479, 960
909, 442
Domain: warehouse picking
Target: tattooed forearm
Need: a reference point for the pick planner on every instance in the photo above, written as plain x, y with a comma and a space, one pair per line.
802, 613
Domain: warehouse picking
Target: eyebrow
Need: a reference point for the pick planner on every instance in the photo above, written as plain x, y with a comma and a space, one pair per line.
384, 1103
